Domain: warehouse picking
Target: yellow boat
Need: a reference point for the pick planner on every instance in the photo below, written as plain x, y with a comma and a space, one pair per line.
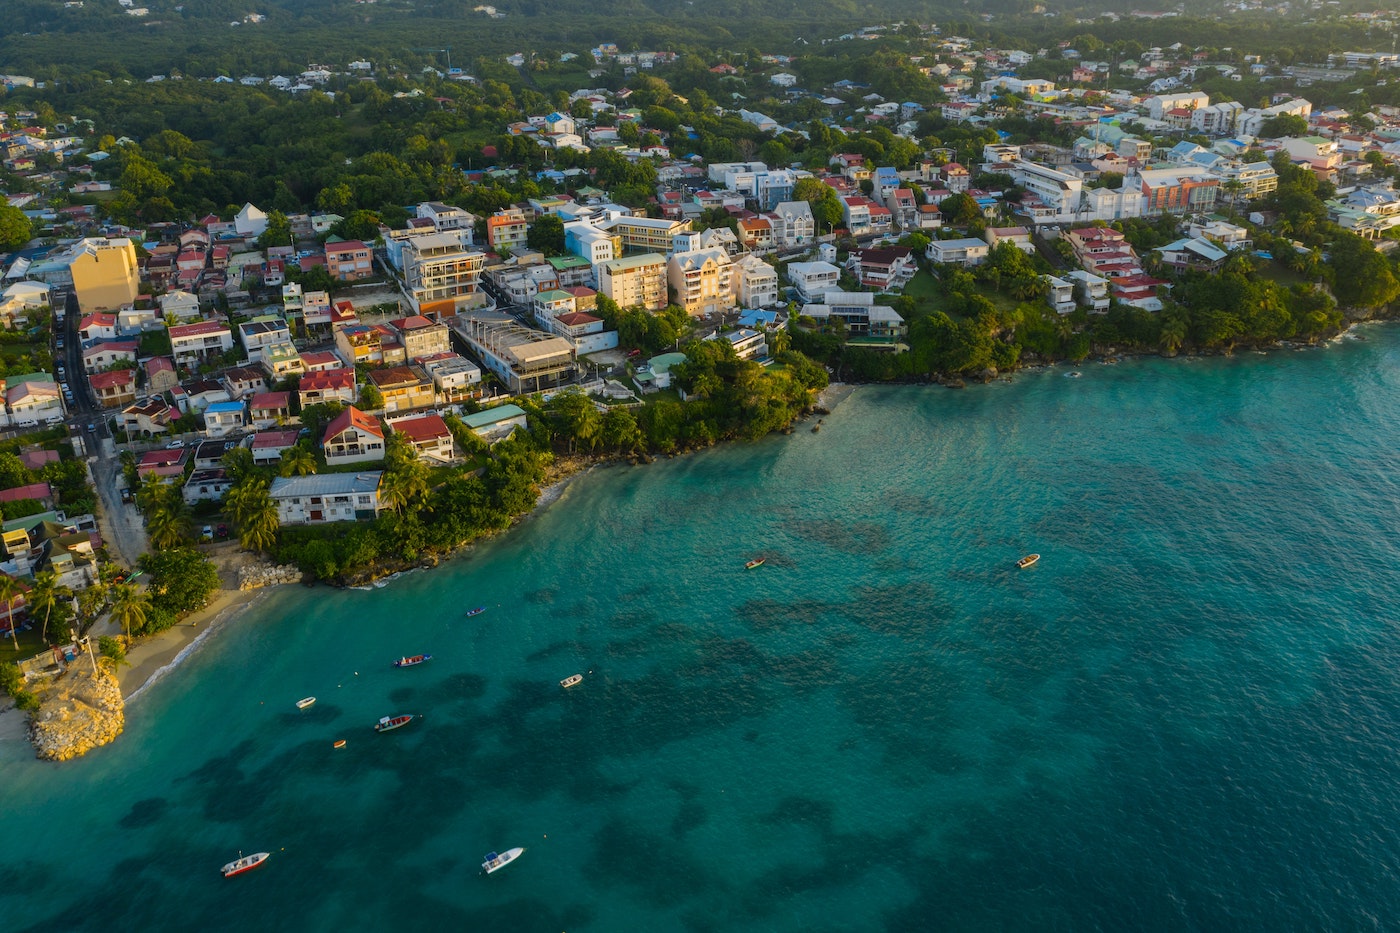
1026, 561
756, 562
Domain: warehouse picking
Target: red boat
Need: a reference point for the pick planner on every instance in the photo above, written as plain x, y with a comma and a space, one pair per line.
244, 863
389, 723
413, 661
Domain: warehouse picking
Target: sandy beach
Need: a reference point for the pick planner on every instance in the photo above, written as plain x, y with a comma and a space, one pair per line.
150, 658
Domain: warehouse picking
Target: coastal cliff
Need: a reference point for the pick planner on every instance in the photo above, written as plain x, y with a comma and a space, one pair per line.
80, 711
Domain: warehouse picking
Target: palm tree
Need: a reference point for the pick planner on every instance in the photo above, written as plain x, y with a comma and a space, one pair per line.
10, 594
297, 461
252, 509
169, 523
45, 595
130, 605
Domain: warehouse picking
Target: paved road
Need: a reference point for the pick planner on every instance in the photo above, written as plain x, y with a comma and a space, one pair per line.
121, 525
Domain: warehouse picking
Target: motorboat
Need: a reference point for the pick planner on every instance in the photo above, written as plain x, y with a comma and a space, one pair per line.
571, 680
304, 702
1026, 561
414, 661
495, 862
244, 863
390, 723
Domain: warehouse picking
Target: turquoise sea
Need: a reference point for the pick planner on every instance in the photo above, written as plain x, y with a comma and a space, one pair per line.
1186, 716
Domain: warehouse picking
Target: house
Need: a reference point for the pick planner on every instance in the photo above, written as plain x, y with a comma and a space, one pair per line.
700, 279
223, 418
315, 361
455, 377
162, 463
282, 359
349, 260
250, 222
206, 486
359, 344
268, 409
1195, 253
792, 223
108, 353
33, 399
267, 446
427, 434
202, 393
209, 455
813, 279
97, 326
243, 381
403, 387
262, 332
148, 418
886, 268
498, 422
862, 316
1018, 237
755, 283
421, 337
505, 229
1061, 296
113, 389
192, 344
328, 497
332, 385
353, 437
966, 251
41, 493
1089, 290
446, 217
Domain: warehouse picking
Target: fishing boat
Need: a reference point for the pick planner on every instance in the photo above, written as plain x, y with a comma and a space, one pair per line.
339, 743
474, 612
244, 863
413, 661
304, 702
1026, 561
390, 723
756, 562
571, 680
494, 862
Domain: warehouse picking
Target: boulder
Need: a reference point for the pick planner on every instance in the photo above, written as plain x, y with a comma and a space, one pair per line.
80, 712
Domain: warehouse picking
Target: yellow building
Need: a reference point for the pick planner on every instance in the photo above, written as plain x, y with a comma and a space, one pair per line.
635, 282
105, 275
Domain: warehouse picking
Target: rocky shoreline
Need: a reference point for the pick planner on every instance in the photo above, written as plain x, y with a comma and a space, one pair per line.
81, 710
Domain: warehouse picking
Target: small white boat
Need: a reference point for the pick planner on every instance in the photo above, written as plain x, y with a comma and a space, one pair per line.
571, 680
244, 863
1027, 561
304, 702
495, 862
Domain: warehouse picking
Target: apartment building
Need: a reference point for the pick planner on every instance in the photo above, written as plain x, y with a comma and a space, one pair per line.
440, 273
636, 281
701, 279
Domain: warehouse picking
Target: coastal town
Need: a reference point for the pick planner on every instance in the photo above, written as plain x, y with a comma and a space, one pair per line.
263, 375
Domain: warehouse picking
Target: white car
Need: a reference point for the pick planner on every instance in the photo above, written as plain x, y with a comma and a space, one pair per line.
175, 444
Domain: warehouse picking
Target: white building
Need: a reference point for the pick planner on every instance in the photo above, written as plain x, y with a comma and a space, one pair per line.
814, 279
326, 497
755, 282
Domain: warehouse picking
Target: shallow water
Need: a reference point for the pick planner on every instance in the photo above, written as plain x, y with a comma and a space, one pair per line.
1185, 716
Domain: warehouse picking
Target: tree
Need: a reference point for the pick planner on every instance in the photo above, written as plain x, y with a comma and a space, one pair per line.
45, 595
130, 606
10, 594
547, 235
15, 228
251, 507
181, 580
278, 232
169, 521
297, 461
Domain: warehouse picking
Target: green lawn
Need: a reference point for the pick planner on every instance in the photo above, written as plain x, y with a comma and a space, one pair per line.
30, 644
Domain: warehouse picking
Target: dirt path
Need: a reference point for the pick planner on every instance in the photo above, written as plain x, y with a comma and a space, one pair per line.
120, 523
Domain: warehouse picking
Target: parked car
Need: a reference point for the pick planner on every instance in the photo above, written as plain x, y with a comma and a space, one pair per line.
207, 533
221, 531
175, 444
126, 494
